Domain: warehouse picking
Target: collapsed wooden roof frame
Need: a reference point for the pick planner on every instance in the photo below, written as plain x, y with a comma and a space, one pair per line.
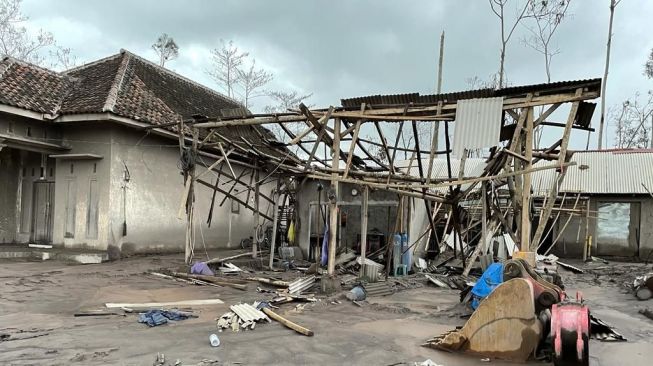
511, 164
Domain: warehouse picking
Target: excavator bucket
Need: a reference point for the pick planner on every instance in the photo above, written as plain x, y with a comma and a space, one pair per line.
504, 325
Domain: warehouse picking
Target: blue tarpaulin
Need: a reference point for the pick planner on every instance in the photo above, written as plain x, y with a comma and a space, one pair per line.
491, 278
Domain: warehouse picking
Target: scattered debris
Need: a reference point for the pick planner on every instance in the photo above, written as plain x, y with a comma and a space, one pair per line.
603, 332
436, 281
356, 294
211, 279
201, 268
427, 362
228, 268
97, 313
643, 286
378, 289
40, 246
111, 305
301, 284
571, 268
214, 340
296, 327
154, 318
647, 313
269, 281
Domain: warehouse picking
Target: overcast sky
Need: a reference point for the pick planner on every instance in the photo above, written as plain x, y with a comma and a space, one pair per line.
338, 49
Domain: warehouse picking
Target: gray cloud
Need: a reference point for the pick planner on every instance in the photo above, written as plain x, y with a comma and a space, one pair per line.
342, 48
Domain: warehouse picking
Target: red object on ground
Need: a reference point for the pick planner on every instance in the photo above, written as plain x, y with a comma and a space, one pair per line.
570, 331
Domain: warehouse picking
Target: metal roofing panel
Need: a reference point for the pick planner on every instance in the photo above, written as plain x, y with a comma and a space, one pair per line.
301, 284
541, 89
247, 312
478, 124
602, 172
473, 168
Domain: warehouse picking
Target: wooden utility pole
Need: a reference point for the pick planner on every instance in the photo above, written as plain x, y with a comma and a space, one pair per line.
333, 199
438, 90
364, 217
190, 198
613, 5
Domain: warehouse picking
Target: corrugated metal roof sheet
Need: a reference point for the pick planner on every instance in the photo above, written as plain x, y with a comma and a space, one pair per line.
602, 172
416, 98
478, 124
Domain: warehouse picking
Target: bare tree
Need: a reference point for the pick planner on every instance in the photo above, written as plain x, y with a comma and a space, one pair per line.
227, 60
632, 122
167, 49
508, 27
252, 81
648, 66
62, 58
15, 41
492, 82
550, 15
613, 5
284, 101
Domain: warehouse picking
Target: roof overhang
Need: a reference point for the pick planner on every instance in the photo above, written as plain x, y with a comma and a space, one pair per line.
22, 143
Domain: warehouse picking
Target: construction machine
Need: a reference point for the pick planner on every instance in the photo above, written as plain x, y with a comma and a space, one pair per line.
519, 316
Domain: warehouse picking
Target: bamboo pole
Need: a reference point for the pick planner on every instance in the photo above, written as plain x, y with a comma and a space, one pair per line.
364, 218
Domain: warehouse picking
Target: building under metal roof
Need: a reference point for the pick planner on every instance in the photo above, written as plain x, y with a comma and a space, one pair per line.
616, 171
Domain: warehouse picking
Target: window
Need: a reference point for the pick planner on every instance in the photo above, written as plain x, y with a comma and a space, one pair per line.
613, 223
92, 212
72, 168
94, 168
71, 203
29, 131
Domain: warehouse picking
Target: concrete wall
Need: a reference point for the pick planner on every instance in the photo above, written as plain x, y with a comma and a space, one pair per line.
640, 240
9, 176
18, 172
153, 195
83, 139
381, 217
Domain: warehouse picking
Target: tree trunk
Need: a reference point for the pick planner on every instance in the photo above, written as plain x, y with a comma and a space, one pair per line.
605, 75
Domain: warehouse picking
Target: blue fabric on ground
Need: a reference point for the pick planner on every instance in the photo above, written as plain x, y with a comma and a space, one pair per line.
491, 278
201, 268
158, 317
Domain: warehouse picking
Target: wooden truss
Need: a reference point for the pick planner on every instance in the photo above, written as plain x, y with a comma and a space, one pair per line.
370, 160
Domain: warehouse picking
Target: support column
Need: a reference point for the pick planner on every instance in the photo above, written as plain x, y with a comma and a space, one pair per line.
526, 190
275, 220
256, 210
333, 199
364, 217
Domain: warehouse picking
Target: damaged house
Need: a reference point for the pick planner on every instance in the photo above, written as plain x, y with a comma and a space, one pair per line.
90, 158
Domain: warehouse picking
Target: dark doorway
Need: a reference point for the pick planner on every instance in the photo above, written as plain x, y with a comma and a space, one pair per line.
43, 207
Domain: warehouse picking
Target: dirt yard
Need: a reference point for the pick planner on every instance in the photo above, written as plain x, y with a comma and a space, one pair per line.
38, 300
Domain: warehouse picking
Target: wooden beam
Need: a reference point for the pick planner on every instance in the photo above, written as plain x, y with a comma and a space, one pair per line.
526, 190
434, 146
235, 198
333, 225
352, 147
364, 218
275, 218
546, 211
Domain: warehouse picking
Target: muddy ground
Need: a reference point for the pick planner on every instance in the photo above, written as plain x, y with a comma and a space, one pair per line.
38, 300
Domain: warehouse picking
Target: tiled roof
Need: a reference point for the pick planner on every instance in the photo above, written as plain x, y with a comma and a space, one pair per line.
31, 87
128, 86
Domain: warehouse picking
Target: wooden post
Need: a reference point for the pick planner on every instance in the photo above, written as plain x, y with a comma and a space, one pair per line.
546, 211
256, 210
190, 237
275, 219
364, 217
333, 198
438, 90
484, 214
526, 190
